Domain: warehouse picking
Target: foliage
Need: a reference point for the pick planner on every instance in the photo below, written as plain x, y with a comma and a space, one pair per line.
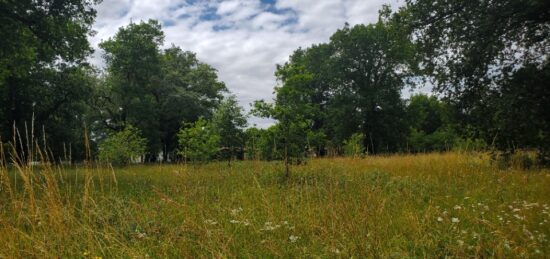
431, 124
198, 142
122, 147
44, 79
354, 145
351, 84
154, 89
490, 59
228, 122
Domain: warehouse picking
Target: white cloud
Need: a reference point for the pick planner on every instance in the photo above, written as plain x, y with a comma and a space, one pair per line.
242, 39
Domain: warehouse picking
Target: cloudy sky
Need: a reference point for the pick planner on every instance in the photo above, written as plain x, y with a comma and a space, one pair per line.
242, 39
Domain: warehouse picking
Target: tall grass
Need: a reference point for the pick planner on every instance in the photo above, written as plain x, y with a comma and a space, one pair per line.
430, 205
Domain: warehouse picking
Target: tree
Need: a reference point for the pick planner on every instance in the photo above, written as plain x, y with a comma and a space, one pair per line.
352, 84
374, 63
154, 89
228, 122
123, 146
188, 90
134, 65
291, 112
475, 51
43, 72
198, 142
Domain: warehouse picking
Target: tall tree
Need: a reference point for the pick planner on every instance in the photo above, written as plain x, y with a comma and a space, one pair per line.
188, 89
154, 89
352, 84
374, 63
42, 59
134, 65
474, 51
229, 122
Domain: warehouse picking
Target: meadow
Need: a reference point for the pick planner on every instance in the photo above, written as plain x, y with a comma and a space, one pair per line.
401, 206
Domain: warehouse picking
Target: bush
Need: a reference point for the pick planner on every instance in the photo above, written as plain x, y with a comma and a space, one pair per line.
440, 140
354, 145
469, 144
121, 147
198, 141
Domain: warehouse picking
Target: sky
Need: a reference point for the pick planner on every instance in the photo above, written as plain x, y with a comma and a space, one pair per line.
242, 39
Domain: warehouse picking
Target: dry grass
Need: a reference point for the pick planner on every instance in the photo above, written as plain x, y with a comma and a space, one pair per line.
432, 205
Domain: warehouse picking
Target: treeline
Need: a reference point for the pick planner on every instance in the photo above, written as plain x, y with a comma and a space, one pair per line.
486, 61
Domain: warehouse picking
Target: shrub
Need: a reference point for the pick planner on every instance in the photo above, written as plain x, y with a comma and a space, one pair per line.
198, 141
121, 147
354, 145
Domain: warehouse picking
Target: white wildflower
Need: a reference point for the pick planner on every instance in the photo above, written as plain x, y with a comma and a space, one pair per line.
234, 221
457, 207
455, 220
440, 219
234, 212
293, 238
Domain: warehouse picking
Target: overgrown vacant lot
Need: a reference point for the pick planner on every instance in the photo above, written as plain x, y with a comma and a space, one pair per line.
400, 206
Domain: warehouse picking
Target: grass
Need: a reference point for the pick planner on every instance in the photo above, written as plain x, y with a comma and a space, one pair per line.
433, 205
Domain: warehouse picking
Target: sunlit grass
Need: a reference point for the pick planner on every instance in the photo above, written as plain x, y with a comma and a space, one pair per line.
431, 205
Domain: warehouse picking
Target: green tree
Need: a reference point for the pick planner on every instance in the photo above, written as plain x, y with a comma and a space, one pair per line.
475, 51
43, 72
374, 63
154, 89
292, 113
228, 122
352, 84
123, 146
198, 142
134, 65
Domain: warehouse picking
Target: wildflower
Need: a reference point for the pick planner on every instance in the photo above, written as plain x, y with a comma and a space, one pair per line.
234, 212
234, 221
293, 238
140, 235
455, 220
457, 207
268, 226
335, 250
440, 219
518, 217
86, 253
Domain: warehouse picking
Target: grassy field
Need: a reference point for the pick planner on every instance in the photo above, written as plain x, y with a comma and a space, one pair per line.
433, 205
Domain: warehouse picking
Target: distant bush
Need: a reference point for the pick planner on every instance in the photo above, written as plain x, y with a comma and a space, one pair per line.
198, 141
469, 144
121, 147
354, 145
441, 140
